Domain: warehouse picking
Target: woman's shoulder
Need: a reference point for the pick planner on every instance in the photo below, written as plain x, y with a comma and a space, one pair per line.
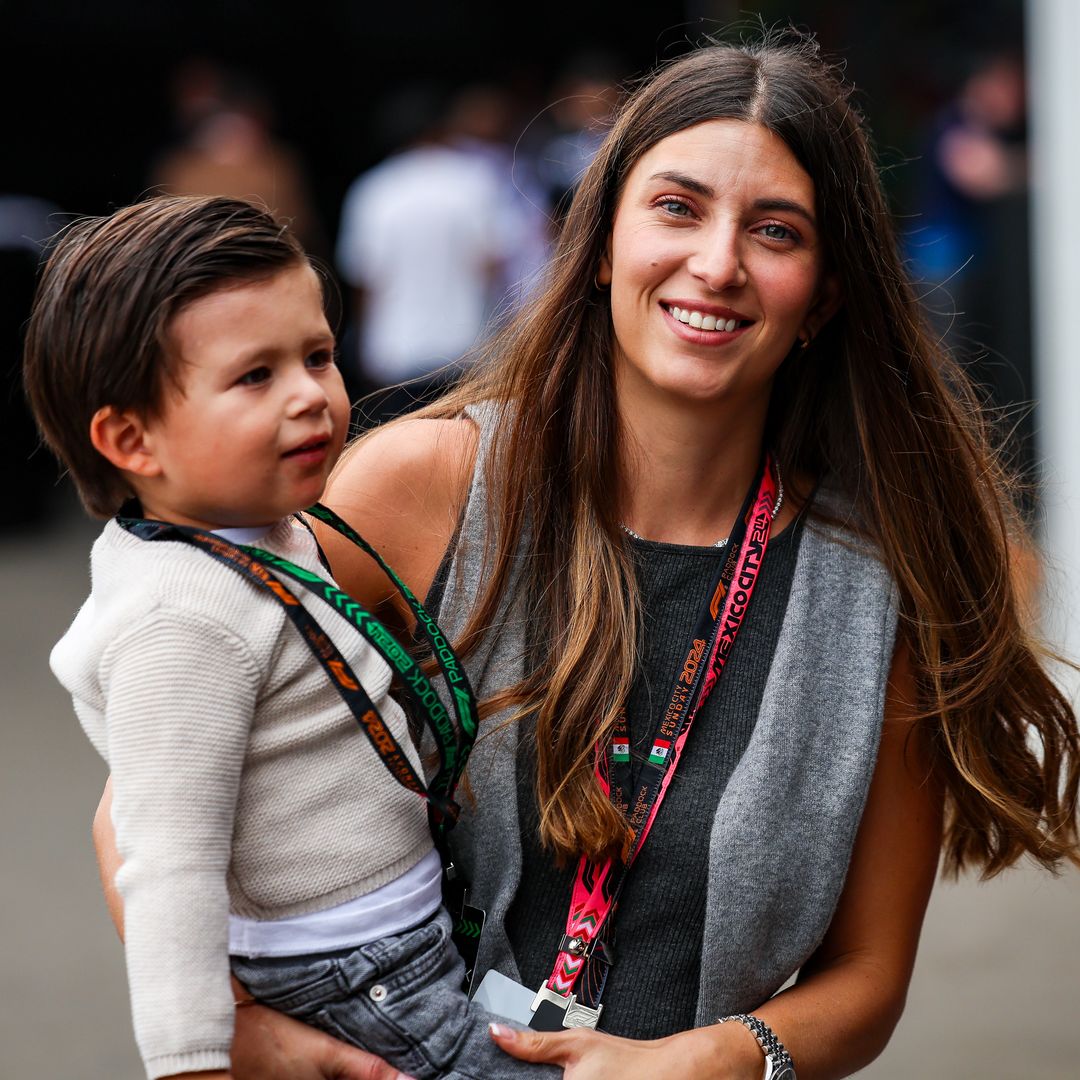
841, 563
399, 454
836, 516
403, 488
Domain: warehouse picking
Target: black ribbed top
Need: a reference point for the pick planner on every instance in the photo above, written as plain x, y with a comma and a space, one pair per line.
667, 885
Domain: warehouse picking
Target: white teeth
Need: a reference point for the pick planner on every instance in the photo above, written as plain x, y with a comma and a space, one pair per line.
702, 322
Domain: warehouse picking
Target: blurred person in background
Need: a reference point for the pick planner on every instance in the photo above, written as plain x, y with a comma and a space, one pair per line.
584, 98
227, 147
970, 243
481, 125
424, 242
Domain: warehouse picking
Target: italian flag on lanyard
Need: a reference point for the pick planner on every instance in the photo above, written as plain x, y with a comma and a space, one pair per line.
620, 749
658, 754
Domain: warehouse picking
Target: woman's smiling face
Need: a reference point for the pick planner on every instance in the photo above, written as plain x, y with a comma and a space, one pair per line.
715, 265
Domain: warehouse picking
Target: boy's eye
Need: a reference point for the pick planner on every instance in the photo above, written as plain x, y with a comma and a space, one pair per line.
321, 359
254, 376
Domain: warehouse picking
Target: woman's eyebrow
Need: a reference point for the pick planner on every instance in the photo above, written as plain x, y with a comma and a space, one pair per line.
688, 182
786, 205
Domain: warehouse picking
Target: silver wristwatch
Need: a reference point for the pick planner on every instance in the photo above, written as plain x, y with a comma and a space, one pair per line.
778, 1064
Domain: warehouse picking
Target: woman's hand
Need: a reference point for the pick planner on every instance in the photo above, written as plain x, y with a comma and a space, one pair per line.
268, 1045
719, 1052
217, 1074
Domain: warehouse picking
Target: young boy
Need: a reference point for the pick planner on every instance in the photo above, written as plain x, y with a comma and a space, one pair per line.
178, 355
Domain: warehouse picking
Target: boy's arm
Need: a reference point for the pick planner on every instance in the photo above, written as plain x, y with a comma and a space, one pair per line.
179, 695
108, 860
265, 1043
108, 864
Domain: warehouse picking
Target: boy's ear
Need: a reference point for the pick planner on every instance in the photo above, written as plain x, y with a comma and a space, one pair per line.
121, 438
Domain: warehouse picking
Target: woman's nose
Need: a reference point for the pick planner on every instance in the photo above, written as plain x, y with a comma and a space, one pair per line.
718, 261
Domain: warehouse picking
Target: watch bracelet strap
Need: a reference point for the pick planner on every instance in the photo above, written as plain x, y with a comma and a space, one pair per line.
773, 1048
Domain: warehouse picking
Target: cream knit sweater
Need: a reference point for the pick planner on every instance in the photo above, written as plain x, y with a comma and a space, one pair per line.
241, 781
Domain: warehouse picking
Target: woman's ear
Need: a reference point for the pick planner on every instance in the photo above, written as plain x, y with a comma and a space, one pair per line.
121, 438
828, 302
603, 274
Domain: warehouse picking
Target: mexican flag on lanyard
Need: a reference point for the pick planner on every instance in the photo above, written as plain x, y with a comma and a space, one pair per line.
620, 749
658, 754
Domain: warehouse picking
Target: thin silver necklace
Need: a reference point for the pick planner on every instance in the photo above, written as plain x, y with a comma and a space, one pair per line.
723, 540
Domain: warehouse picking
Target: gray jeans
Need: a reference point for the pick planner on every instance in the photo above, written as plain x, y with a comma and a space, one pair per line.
399, 998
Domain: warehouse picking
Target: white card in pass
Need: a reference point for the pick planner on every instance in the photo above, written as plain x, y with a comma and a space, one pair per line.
504, 997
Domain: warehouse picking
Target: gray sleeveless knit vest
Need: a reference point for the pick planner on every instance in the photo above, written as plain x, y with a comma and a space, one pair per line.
784, 828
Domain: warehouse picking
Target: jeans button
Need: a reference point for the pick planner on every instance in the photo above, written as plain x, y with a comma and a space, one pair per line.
377, 992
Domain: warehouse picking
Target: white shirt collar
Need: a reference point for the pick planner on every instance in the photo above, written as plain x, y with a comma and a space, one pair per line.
247, 534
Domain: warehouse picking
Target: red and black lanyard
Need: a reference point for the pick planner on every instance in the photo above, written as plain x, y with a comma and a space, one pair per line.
571, 996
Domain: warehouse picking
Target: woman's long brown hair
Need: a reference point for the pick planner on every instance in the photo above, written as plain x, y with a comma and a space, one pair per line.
874, 402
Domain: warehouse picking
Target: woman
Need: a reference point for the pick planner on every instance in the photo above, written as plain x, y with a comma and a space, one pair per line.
726, 325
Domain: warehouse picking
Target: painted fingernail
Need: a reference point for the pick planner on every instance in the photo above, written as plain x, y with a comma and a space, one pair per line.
497, 1030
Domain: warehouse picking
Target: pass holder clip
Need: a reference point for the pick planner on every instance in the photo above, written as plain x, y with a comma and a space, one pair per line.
553, 1011
577, 946
583, 948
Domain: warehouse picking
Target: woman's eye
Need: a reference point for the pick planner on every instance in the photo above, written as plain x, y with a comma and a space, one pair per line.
254, 376
674, 207
775, 231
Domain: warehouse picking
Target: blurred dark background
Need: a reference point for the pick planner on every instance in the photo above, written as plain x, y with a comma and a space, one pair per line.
86, 86
104, 102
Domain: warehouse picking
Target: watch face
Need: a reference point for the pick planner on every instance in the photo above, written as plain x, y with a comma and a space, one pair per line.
784, 1072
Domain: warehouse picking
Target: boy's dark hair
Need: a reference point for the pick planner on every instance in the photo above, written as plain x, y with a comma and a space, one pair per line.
98, 334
